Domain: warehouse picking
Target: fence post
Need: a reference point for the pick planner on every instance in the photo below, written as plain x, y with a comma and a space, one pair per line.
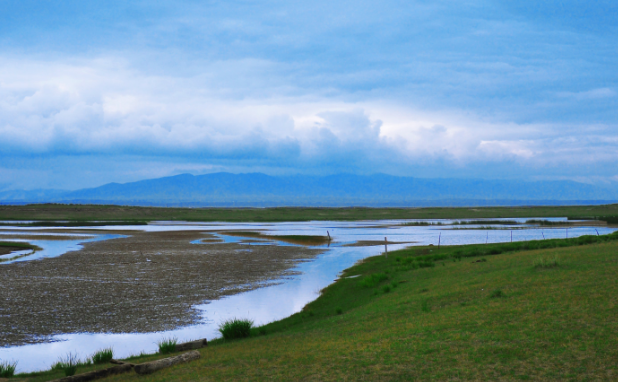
385, 247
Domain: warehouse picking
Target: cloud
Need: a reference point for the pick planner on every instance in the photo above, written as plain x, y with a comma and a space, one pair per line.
105, 107
418, 88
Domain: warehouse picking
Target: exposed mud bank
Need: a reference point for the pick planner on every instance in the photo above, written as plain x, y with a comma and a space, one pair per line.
143, 283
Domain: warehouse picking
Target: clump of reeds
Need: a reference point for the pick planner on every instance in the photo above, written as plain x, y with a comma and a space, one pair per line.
68, 364
236, 328
7, 369
167, 345
103, 356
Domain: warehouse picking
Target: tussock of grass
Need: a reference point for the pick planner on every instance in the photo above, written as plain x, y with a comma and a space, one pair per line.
68, 364
546, 262
497, 294
373, 280
236, 328
425, 306
7, 369
103, 356
167, 345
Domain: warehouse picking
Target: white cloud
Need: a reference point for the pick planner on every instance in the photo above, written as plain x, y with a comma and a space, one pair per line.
236, 114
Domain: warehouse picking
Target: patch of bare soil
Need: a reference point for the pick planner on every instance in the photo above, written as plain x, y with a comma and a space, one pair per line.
143, 283
369, 243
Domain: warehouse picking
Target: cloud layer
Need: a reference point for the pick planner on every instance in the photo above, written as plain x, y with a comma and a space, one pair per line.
93, 93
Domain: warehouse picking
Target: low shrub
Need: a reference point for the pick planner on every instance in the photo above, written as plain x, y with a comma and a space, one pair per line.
497, 294
386, 288
339, 311
103, 356
235, 328
7, 369
167, 345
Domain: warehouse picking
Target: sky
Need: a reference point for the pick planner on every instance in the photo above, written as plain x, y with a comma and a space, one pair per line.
93, 92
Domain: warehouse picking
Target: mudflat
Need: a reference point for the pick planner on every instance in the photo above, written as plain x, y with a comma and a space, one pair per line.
142, 283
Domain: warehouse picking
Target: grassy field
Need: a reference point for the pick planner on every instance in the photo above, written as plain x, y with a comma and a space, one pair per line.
90, 213
482, 312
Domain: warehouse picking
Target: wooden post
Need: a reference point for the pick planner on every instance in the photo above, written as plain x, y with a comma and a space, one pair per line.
385, 247
542, 233
511, 236
439, 239
597, 232
328, 233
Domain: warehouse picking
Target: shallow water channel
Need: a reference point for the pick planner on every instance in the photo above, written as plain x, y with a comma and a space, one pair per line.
266, 304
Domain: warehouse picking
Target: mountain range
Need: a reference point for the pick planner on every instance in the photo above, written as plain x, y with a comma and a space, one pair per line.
256, 189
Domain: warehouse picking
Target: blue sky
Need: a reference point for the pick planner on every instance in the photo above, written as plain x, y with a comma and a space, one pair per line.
95, 92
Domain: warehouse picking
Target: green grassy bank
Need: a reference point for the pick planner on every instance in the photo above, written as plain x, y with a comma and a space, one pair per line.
90, 213
541, 310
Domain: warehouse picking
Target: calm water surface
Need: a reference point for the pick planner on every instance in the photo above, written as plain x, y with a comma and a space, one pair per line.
266, 304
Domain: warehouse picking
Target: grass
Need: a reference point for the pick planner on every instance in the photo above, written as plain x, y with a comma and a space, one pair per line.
102, 356
236, 328
543, 262
17, 244
68, 364
425, 306
131, 214
167, 345
373, 280
7, 369
439, 323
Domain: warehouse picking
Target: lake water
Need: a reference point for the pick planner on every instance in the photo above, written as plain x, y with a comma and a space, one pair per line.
265, 304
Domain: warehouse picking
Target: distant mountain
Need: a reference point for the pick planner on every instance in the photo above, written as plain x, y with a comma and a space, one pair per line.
224, 189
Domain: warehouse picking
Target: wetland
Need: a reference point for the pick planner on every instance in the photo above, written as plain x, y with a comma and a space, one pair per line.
128, 286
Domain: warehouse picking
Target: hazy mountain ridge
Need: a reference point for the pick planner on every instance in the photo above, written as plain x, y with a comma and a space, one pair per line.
220, 189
